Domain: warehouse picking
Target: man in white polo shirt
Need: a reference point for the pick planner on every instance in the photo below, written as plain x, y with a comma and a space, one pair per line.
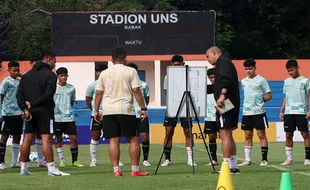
116, 87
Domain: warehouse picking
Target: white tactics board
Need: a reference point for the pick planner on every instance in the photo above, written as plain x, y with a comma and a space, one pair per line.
197, 77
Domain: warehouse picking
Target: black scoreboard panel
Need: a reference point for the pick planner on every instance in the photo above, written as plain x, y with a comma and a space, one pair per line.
139, 33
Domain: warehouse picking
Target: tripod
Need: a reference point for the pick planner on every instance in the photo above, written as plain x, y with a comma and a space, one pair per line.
187, 97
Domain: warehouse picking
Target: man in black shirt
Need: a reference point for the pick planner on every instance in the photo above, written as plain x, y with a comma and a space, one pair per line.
35, 96
226, 86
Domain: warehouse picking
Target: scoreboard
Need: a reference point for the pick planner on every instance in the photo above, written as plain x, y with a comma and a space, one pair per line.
139, 33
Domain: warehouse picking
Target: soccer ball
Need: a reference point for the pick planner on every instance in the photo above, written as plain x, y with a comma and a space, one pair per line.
33, 157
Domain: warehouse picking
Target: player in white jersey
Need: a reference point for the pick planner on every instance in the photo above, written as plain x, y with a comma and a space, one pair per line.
64, 118
170, 123
12, 115
143, 125
95, 127
211, 127
256, 92
295, 110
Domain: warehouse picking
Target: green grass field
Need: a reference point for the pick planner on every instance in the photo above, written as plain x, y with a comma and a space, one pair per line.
178, 176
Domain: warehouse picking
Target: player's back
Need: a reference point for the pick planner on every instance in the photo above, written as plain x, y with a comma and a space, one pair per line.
39, 86
118, 96
224, 66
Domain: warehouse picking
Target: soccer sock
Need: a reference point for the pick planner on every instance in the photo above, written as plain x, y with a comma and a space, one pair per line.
93, 147
74, 153
234, 161
289, 153
135, 168
167, 153
248, 153
2, 152
227, 160
28, 164
61, 155
264, 150
23, 165
116, 168
39, 151
51, 166
213, 148
189, 153
15, 151
307, 150
146, 149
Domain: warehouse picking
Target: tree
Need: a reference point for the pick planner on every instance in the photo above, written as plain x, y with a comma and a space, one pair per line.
244, 28
27, 32
270, 29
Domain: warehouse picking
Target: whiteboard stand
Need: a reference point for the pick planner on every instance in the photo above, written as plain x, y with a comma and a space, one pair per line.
189, 103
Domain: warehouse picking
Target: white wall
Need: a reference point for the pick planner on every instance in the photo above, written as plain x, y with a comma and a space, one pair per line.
199, 63
163, 73
157, 82
80, 75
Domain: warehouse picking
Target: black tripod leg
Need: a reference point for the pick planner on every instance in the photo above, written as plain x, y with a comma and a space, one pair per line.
162, 154
188, 116
170, 133
204, 140
188, 119
192, 143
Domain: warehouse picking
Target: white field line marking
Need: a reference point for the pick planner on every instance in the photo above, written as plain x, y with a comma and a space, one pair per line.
270, 166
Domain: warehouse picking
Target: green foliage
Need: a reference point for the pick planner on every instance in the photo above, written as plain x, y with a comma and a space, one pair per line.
246, 28
129, 5
224, 32
270, 29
